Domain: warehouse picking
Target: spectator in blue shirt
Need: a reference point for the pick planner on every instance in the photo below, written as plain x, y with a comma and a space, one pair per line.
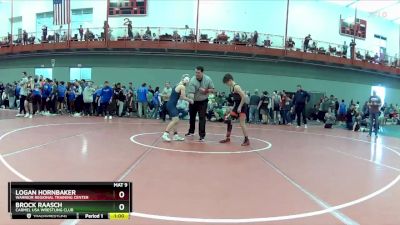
61, 93
142, 100
36, 96
342, 111
71, 98
46, 91
105, 96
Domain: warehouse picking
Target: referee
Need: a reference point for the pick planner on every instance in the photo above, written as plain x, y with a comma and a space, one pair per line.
199, 88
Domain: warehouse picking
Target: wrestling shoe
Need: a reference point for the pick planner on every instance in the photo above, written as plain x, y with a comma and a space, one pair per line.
246, 142
189, 135
165, 137
178, 138
226, 140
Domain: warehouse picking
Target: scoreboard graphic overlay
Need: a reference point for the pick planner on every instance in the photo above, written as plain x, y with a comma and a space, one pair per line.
127, 7
66, 200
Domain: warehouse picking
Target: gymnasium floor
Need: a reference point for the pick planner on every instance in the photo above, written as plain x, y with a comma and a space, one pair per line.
287, 175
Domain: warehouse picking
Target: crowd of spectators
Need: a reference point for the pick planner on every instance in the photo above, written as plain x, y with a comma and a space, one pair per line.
307, 44
35, 95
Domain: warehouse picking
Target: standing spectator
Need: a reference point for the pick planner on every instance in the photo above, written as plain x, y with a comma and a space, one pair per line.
129, 103
88, 92
352, 48
142, 101
134, 96
147, 34
36, 97
336, 109
276, 99
375, 104
263, 107
307, 40
105, 96
81, 32
4, 99
286, 109
166, 93
112, 107
22, 93
254, 113
283, 109
2, 89
46, 91
78, 99
247, 102
25, 37
28, 102
254, 39
53, 97
344, 49
300, 101
44, 33
71, 98
128, 23
199, 88
10, 90
61, 93
17, 93
342, 111
156, 103
9, 39
150, 95
331, 102
106, 30
58, 34
120, 96
96, 102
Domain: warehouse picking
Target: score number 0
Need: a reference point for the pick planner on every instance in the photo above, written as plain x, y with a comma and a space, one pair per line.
121, 195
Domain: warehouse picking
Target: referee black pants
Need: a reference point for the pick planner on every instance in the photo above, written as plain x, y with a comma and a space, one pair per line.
300, 113
199, 107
